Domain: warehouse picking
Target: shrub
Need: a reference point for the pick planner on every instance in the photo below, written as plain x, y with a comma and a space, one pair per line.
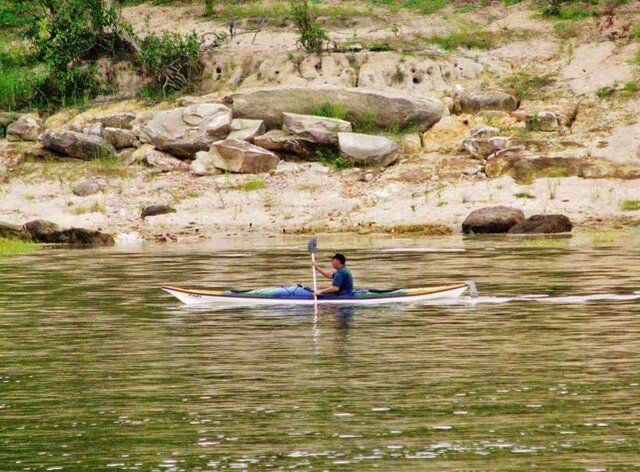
312, 34
172, 59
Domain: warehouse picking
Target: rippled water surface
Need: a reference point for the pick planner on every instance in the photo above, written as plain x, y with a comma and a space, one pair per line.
99, 369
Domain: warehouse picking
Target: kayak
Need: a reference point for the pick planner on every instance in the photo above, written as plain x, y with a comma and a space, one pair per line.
299, 295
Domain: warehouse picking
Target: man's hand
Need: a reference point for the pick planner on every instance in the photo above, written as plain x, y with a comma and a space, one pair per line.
317, 293
314, 264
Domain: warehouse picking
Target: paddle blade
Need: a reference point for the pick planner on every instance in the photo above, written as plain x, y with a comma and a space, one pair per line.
312, 245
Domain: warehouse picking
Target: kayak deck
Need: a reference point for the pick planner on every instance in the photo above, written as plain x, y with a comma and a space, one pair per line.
298, 295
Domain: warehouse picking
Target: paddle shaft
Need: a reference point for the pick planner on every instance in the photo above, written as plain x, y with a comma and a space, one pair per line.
315, 280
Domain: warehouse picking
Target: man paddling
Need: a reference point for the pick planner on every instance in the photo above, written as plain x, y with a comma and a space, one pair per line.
341, 279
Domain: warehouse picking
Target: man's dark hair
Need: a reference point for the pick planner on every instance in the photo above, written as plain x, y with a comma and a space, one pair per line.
341, 258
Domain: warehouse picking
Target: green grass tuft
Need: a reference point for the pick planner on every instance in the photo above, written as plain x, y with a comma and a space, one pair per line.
525, 195
10, 247
109, 165
331, 110
251, 185
630, 205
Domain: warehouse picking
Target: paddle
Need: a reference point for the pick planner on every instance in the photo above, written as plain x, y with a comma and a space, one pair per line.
312, 245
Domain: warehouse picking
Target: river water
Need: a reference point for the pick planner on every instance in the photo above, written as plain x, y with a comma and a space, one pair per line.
99, 369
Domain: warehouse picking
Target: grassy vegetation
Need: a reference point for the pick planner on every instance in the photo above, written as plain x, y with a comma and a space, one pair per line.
251, 185
365, 123
566, 30
626, 91
331, 110
95, 207
9, 247
630, 205
525, 195
527, 85
574, 10
474, 39
109, 165
332, 158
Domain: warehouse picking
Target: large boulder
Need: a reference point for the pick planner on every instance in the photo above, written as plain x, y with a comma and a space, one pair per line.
317, 129
43, 231
278, 141
83, 237
120, 138
234, 155
122, 120
473, 102
365, 150
185, 131
245, 129
7, 117
11, 231
76, 145
25, 128
381, 108
540, 224
158, 160
481, 148
203, 164
525, 169
498, 219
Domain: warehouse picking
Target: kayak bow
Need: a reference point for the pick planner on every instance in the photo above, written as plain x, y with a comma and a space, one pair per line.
298, 295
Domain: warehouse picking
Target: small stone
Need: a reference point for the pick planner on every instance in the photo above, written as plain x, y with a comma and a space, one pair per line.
86, 188
155, 210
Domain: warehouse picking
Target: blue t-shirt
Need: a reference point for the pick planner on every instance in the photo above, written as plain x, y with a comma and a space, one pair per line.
343, 279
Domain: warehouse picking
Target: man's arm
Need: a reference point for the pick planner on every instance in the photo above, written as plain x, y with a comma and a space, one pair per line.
332, 289
335, 286
326, 273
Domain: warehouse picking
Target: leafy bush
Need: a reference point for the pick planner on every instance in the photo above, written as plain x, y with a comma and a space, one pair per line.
172, 59
312, 34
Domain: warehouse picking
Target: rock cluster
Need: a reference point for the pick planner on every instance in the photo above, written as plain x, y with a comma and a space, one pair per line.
502, 219
43, 231
246, 133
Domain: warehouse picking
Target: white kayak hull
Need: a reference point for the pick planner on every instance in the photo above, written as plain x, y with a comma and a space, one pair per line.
202, 297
